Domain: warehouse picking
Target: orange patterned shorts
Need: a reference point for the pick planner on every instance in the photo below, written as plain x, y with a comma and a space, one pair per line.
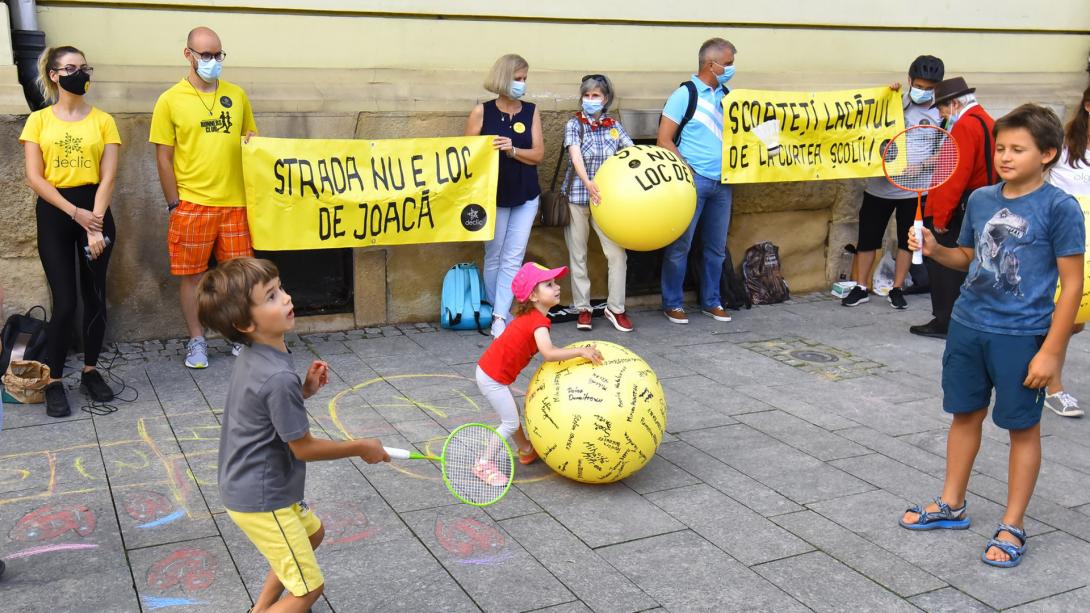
196, 230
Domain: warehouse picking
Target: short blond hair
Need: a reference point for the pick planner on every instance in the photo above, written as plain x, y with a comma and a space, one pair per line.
503, 72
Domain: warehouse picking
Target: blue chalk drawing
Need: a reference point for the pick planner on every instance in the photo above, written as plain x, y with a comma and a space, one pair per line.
162, 521
155, 602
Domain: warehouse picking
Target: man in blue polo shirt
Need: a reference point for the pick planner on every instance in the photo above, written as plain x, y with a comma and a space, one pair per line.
699, 140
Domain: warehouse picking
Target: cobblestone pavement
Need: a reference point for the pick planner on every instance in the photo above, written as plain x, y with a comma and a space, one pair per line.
796, 436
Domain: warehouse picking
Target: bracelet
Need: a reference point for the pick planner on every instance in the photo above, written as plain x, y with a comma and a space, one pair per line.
75, 209
513, 152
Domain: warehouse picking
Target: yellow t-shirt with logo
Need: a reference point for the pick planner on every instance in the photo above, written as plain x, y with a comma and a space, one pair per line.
71, 150
206, 132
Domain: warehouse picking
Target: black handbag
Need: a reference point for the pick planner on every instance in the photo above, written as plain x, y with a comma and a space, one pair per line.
553, 211
23, 338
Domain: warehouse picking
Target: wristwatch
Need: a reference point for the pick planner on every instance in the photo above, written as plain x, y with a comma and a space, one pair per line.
173, 204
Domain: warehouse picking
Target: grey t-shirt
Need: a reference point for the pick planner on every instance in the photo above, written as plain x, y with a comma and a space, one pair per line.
264, 411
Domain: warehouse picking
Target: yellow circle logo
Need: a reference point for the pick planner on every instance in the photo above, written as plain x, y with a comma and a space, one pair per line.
519, 127
614, 134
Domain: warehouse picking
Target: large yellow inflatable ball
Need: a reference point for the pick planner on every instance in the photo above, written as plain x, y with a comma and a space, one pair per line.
648, 197
596, 424
1083, 314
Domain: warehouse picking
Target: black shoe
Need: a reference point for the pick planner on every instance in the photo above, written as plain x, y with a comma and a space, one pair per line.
91, 383
932, 329
2, 568
897, 298
56, 400
856, 297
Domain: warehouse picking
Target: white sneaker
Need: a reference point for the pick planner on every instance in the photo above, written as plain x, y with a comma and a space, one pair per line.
498, 326
196, 353
236, 348
1063, 404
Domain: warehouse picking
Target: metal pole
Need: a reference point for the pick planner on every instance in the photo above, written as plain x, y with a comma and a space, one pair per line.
24, 14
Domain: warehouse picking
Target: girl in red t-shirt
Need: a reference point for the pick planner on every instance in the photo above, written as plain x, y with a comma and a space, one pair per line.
536, 290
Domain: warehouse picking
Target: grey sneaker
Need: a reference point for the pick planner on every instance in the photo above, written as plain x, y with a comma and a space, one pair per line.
236, 348
1063, 404
196, 353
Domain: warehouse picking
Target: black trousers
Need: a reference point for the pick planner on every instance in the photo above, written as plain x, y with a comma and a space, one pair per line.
60, 244
945, 282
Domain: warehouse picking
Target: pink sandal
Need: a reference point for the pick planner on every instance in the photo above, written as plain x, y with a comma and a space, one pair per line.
488, 472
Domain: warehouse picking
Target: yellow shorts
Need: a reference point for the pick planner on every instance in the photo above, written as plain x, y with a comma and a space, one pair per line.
282, 536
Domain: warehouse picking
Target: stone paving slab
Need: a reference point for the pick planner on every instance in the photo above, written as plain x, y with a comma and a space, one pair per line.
775, 488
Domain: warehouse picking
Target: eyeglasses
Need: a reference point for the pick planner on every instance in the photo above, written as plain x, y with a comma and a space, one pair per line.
69, 69
597, 77
207, 57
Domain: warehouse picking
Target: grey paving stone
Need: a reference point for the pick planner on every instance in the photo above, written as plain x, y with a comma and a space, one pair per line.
1040, 509
802, 435
1075, 600
824, 584
742, 488
57, 546
200, 572
567, 607
949, 600
911, 484
781, 467
588, 576
152, 515
709, 580
659, 474
865, 557
684, 413
514, 502
744, 534
712, 394
480, 555
1066, 452
786, 399
389, 346
898, 449
613, 514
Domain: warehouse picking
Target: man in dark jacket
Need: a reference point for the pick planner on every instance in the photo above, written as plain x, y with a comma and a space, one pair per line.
971, 127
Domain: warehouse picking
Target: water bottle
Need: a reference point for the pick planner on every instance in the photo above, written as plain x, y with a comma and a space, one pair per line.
87, 248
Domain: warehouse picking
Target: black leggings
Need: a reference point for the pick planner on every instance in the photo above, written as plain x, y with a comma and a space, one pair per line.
60, 239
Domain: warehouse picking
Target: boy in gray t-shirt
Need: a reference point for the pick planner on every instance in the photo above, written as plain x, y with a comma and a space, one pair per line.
265, 438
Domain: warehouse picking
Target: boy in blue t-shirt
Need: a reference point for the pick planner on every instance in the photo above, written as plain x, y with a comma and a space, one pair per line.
1017, 237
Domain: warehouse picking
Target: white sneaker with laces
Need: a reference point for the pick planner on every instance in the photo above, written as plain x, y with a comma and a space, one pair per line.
1063, 404
236, 348
196, 353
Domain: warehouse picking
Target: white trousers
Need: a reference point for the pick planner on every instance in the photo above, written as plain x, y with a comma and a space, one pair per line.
503, 402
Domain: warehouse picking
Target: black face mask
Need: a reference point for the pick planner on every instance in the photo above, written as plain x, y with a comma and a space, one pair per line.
77, 83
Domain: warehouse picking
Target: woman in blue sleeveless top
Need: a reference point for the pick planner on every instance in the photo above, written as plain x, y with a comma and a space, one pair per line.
517, 128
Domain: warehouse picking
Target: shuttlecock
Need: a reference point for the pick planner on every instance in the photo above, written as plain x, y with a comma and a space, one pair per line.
769, 133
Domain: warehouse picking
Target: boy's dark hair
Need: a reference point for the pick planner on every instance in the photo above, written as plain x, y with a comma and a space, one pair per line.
223, 295
1076, 134
1042, 124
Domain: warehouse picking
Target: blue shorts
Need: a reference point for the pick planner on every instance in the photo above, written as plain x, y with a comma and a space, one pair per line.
975, 362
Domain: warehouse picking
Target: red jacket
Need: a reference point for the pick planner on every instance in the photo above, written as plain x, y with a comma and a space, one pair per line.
973, 166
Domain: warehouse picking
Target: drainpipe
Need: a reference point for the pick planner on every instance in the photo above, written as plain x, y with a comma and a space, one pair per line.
27, 43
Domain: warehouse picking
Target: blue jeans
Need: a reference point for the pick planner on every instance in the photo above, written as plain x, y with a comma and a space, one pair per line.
713, 203
504, 253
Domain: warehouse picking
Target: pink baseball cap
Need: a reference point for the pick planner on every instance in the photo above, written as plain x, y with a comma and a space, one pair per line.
532, 273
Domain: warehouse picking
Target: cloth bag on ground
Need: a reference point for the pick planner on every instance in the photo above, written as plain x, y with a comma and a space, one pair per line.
25, 381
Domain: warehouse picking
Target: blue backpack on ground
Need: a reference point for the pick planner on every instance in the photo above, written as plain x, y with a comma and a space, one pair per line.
462, 307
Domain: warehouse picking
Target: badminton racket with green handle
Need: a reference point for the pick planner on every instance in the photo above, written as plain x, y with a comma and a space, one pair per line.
467, 450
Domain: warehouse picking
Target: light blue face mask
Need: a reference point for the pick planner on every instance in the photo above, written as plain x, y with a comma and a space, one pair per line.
209, 71
517, 89
728, 72
921, 96
591, 107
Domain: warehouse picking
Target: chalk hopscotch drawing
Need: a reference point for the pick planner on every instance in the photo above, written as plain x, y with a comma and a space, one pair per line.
191, 569
471, 542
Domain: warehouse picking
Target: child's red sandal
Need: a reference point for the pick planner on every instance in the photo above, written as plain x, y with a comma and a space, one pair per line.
527, 457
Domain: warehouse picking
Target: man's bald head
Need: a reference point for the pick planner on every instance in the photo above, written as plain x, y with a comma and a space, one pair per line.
203, 39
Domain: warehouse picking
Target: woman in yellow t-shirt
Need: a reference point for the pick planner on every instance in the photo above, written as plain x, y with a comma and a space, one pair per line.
71, 152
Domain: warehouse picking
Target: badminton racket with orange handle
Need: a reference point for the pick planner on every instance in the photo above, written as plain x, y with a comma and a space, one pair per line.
919, 159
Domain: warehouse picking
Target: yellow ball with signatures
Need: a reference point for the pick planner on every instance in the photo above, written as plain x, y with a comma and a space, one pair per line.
596, 424
648, 197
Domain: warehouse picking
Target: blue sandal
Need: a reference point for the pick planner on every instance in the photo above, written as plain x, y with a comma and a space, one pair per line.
945, 518
1014, 551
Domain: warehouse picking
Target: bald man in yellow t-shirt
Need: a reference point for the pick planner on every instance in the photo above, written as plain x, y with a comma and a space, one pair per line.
198, 128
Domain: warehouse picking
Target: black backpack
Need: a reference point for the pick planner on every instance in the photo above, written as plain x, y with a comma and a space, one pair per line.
23, 338
732, 290
690, 108
764, 279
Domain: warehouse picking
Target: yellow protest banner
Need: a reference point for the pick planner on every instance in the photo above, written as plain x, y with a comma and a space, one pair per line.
806, 136
1083, 316
320, 194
